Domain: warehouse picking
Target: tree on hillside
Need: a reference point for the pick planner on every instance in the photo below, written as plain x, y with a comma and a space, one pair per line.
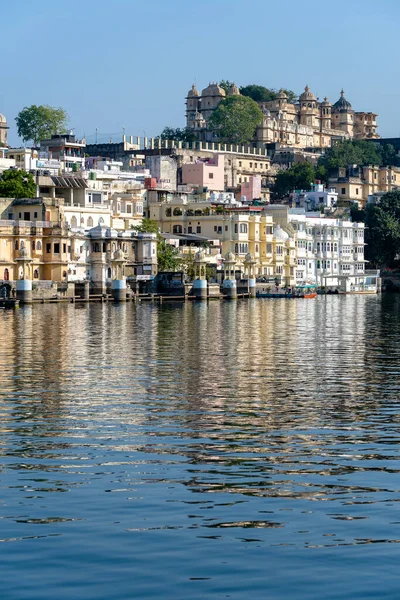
382, 221
35, 123
235, 119
17, 184
168, 258
179, 135
259, 93
356, 152
299, 177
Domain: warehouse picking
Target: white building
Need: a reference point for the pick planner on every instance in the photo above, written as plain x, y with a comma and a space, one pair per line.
330, 252
318, 197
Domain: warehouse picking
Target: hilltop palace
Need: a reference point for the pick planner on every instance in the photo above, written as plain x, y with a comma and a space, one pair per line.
306, 124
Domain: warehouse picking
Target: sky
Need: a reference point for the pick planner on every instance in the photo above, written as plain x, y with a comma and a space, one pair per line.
128, 64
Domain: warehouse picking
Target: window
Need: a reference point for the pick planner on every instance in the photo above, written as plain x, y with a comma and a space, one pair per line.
240, 163
64, 248
198, 229
129, 208
90, 222
56, 248
236, 227
190, 229
356, 191
211, 176
226, 227
16, 245
33, 245
243, 228
343, 190
251, 165
178, 229
35, 215
48, 248
10, 216
38, 245
35, 274
74, 222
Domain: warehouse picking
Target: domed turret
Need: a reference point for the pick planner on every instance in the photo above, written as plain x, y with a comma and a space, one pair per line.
249, 257
233, 90
193, 92
213, 89
280, 234
325, 102
307, 95
342, 104
281, 95
119, 255
23, 253
230, 257
200, 255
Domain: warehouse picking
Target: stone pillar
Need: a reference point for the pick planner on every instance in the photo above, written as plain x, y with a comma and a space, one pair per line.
24, 291
230, 289
200, 289
118, 290
252, 287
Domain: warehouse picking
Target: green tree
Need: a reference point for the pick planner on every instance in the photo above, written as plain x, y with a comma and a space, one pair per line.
352, 152
168, 258
179, 135
259, 93
147, 226
382, 222
299, 177
235, 119
35, 123
17, 184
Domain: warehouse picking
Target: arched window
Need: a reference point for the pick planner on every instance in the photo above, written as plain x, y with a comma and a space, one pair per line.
177, 229
64, 274
22, 244
109, 272
16, 245
38, 245
236, 248
6, 275
243, 228
101, 221
104, 247
90, 222
35, 274
33, 244
96, 247
74, 222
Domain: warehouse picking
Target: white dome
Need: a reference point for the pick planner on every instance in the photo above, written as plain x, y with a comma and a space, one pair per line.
119, 255
249, 257
2, 119
280, 234
200, 255
230, 257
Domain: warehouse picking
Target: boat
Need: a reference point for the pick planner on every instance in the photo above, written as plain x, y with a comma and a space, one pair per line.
306, 291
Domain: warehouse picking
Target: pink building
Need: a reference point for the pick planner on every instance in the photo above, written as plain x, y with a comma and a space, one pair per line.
252, 188
208, 173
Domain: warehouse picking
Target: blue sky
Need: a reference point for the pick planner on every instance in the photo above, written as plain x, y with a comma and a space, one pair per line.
129, 64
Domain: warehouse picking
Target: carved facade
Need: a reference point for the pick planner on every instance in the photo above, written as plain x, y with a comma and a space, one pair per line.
307, 123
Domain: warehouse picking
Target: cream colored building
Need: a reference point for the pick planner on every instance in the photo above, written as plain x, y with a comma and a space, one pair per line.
237, 229
307, 123
355, 183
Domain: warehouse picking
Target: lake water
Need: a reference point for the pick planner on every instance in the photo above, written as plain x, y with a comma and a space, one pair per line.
225, 450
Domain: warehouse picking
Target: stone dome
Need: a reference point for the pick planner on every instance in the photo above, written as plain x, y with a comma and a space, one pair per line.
281, 95
325, 102
23, 253
307, 95
280, 234
230, 257
233, 90
193, 92
342, 103
2, 119
213, 89
119, 255
249, 257
200, 255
